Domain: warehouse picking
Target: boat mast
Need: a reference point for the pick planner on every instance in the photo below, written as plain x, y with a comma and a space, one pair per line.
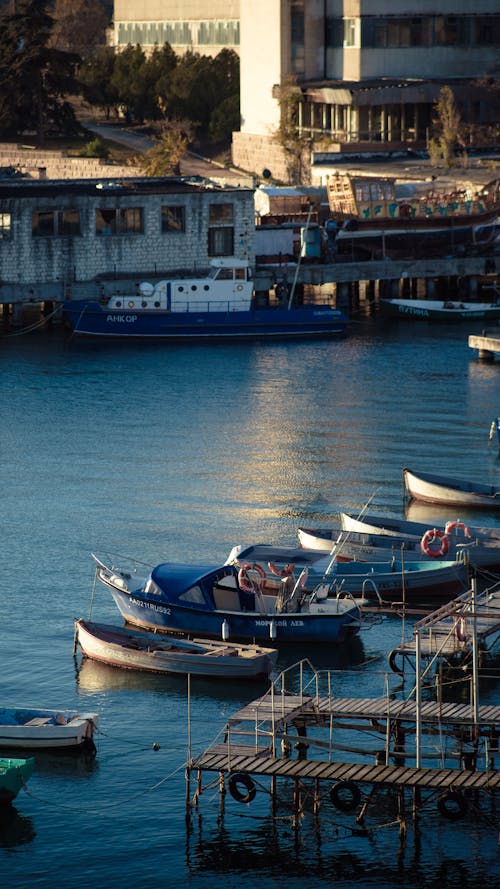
292, 291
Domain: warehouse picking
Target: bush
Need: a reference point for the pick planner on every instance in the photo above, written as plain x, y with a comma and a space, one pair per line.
94, 148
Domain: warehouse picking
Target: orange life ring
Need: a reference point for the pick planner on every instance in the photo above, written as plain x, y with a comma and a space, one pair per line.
452, 526
259, 569
281, 572
245, 582
429, 538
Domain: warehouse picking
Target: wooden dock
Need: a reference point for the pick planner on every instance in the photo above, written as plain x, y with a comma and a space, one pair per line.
449, 632
487, 344
261, 740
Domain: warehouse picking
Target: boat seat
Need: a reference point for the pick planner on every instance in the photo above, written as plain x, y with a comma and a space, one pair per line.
39, 720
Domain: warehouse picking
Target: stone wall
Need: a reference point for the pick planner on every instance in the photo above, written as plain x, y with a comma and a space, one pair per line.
40, 164
259, 153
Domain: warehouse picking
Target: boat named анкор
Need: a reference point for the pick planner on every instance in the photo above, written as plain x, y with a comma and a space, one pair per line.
221, 306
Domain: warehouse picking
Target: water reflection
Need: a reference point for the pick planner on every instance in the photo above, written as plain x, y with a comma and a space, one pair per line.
15, 829
322, 854
436, 516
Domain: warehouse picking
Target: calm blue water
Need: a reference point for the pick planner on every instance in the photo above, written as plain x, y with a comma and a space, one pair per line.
180, 453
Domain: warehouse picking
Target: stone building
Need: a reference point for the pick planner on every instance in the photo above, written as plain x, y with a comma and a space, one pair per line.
204, 26
63, 237
366, 73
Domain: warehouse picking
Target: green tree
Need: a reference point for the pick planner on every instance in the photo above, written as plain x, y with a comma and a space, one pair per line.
95, 79
34, 77
295, 145
171, 142
127, 81
448, 128
79, 25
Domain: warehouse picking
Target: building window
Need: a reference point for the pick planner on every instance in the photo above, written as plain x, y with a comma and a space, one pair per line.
349, 32
51, 223
5, 225
297, 42
125, 221
69, 222
173, 219
221, 230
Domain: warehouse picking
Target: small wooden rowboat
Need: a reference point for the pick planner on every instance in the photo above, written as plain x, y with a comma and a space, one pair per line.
14, 774
452, 491
27, 728
138, 650
369, 523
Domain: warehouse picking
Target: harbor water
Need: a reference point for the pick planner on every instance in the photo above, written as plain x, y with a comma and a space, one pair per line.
178, 453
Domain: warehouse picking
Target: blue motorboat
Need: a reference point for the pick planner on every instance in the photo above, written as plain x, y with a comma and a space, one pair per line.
221, 306
230, 602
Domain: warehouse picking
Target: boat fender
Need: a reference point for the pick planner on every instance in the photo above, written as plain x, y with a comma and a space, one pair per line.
461, 629
457, 526
392, 662
244, 581
452, 805
236, 782
345, 796
430, 537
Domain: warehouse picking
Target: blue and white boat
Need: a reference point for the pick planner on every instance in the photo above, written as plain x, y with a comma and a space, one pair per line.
229, 602
221, 306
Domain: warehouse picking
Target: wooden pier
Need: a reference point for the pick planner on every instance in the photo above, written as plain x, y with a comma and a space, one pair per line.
261, 739
487, 344
449, 633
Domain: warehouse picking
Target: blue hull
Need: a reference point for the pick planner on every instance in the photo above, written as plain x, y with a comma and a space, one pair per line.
94, 320
294, 627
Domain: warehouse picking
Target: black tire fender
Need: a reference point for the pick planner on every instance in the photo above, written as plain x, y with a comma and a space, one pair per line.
452, 805
345, 796
238, 781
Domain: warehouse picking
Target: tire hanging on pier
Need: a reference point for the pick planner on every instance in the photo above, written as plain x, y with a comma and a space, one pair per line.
345, 796
240, 780
452, 805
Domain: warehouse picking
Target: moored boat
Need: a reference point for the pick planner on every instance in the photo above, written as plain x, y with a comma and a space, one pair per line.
432, 544
157, 653
14, 774
370, 523
222, 306
376, 220
40, 729
439, 310
385, 579
229, 602
431, 488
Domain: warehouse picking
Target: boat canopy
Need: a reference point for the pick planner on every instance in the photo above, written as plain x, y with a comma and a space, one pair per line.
188, 583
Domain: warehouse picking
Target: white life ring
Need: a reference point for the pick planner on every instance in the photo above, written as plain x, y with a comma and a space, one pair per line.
430, 537
457, 526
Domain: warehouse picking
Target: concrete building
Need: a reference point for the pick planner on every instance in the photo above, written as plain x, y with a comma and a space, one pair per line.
66, 237
204, 26
362, 75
